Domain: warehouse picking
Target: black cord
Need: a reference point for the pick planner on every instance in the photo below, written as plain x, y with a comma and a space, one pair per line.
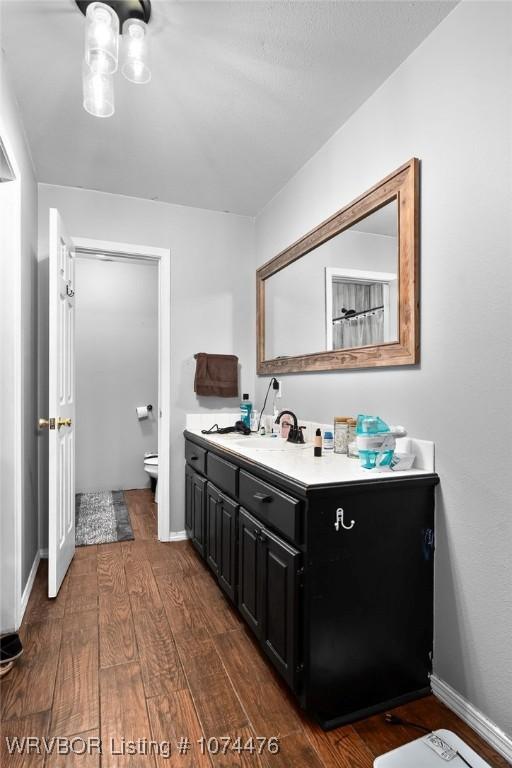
462, 758
392, 719
212, 431
271, 382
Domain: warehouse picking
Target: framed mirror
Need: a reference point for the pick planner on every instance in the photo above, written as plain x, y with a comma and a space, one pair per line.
346, 294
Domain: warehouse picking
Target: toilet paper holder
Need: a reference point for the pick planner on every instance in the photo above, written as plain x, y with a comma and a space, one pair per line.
143, 411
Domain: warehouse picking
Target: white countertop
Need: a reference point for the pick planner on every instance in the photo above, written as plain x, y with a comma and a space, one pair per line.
298, 462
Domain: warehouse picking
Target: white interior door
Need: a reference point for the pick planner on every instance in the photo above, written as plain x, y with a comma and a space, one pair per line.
61, 528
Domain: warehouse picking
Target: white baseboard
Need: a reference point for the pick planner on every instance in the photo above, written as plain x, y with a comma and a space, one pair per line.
43, 553
178, 536
28, 588
473, 717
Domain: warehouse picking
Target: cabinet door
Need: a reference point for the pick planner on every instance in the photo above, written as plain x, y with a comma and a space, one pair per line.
279, 588
227, 513
198, 512
213, 513
249, 570
189, 519
369, 597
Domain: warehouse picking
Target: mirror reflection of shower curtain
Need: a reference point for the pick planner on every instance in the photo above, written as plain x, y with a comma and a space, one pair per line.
359, 331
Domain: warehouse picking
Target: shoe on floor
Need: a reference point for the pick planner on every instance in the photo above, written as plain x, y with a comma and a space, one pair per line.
10, 648
5, 668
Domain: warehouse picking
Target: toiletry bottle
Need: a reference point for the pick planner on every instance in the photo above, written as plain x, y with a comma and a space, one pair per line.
328, 445
340, 434
276, 427
245, 410
317, 449
255, 420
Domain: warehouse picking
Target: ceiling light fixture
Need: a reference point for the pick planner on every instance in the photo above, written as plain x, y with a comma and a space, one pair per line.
102, 29
135, 52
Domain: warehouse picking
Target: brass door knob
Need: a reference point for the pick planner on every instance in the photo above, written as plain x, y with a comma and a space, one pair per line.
63, 423
46, 423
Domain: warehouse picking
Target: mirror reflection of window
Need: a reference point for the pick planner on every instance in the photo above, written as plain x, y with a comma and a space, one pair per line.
361, 308
358, 313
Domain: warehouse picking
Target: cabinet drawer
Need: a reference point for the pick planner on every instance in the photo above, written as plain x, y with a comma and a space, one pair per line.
277, 509
195, 456
222, 473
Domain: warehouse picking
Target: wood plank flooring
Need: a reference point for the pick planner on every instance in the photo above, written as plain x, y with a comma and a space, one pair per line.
141, 644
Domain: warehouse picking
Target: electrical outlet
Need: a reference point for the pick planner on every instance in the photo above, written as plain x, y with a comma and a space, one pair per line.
279, 392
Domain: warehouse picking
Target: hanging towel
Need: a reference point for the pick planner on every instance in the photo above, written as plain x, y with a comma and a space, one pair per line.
216, 375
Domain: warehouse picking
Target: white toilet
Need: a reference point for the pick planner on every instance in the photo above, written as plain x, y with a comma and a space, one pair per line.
151, 467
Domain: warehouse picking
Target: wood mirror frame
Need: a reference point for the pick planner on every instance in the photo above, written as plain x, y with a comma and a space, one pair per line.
402, 185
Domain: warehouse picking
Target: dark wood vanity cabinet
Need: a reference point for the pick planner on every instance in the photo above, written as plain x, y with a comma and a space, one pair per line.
269, 574
221, 538
195, 509
249, 566
335, 581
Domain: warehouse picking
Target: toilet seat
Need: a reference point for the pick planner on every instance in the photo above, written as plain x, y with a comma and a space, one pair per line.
151, 461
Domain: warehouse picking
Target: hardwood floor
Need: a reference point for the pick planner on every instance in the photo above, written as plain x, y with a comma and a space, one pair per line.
141, 644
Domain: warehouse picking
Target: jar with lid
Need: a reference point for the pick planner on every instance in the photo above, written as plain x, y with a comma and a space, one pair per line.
353, 453
341, 434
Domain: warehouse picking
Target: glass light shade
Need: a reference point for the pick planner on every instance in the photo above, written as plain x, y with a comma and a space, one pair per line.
135, 66
101, 38
98, 92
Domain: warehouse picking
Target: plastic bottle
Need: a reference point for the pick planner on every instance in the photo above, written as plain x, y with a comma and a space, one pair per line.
245, 410
276, 428
328, 445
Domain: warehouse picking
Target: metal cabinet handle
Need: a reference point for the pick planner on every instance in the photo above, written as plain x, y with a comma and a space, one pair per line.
263, 498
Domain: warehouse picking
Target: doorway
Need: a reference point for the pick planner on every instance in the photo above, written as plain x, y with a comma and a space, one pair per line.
116, 411
154, 429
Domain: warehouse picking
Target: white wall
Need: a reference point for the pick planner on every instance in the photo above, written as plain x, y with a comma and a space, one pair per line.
212, 296
450, 105
18, 317
116, 346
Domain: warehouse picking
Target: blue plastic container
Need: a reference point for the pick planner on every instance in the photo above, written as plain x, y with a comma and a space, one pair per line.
375, 442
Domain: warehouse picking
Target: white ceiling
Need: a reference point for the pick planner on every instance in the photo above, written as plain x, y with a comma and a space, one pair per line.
242, 94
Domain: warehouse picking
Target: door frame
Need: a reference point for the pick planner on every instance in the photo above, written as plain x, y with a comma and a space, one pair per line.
12, 412
125, 251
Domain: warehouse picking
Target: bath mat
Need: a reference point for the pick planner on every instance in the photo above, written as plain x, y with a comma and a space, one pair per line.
101, 518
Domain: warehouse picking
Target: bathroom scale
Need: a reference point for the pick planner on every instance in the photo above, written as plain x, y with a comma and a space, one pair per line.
434, 750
